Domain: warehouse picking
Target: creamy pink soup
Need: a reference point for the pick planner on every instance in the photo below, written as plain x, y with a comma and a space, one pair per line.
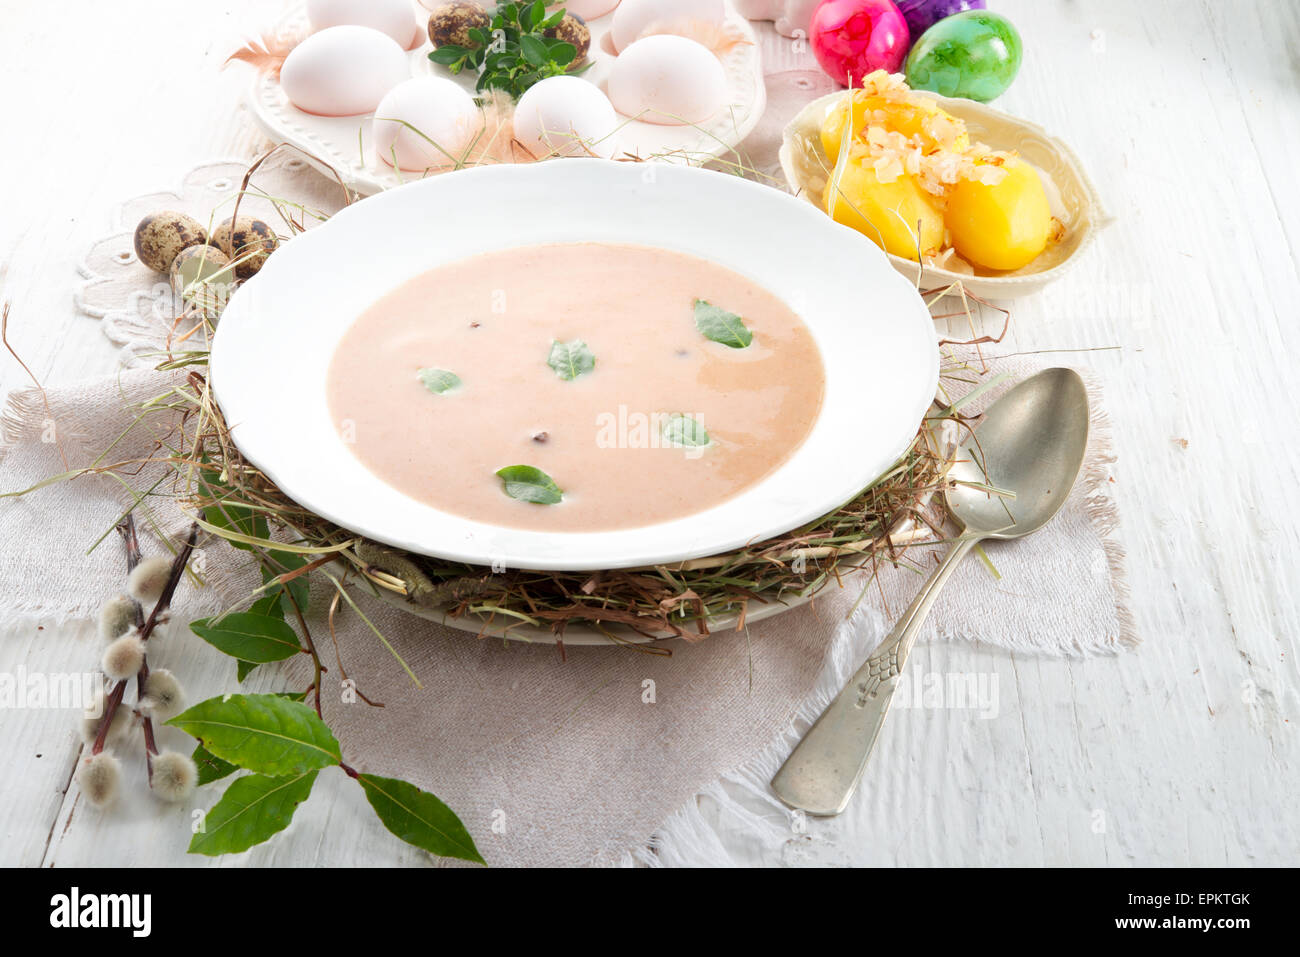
492, 321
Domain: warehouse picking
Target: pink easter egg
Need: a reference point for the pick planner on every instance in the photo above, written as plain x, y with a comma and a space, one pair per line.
852, 38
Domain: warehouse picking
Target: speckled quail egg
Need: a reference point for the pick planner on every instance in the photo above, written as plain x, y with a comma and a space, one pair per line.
197, 263
573, 30
450, 23
248, 243
161, 237
207, 265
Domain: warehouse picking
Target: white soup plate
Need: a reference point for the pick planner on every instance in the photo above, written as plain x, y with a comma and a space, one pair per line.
279, 333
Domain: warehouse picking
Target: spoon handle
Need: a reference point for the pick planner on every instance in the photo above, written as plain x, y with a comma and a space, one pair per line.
823, 771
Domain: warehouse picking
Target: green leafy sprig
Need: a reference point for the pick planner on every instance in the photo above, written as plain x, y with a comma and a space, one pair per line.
284, 744
514, 52
282, 740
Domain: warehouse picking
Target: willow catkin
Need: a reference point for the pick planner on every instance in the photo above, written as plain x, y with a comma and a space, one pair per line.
116, 618
174, 776
124, 657
163, 695
99, 779
148, 579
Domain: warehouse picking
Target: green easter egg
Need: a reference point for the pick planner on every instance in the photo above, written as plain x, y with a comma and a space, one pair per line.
975, 55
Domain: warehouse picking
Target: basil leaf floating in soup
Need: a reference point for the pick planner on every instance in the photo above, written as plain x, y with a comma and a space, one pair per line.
524, 483
685, 431
721, 326
439, 381
571, 359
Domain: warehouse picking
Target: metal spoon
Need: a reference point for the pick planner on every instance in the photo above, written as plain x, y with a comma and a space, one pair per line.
1031, 443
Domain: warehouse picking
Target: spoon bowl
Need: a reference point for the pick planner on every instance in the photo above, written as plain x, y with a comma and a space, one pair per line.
1030, 444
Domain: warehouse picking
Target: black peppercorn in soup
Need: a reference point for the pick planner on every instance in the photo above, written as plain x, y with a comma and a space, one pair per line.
576, 387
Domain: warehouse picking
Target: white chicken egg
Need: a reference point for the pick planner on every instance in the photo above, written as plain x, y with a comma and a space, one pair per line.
633, 16
394, 17
590, 9
342, 71
669, 80
566, 116
423, 109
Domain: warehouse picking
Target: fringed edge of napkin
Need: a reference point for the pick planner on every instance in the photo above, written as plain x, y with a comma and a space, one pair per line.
1103, 512
1103, 509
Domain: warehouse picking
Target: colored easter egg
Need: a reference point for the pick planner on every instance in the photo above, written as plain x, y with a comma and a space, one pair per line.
921, 15
975, 55
852, 38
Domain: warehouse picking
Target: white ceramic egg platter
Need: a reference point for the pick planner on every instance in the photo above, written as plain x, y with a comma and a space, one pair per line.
343, 144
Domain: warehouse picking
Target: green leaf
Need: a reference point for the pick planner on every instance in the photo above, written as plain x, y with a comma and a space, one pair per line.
447, 54
244, 668
211, 768
439, 381
250, 637
533, 49
537, 13
685, 431
266, 733
253, 809
419, 818
229, 517
721, 326
236, 518
561, 52
268, 606
571, 359
283, 564
527, 484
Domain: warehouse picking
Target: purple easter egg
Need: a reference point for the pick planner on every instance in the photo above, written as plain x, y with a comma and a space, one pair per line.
923, 14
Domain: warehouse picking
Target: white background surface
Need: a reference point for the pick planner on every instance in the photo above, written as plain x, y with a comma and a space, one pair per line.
1184, 752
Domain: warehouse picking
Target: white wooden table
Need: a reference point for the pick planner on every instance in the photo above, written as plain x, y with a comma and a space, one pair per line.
1184, 752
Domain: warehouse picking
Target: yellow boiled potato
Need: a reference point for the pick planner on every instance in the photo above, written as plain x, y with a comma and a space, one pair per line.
886, 213
1005, 226
906, 118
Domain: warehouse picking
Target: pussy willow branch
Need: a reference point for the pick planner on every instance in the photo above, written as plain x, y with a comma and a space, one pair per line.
131, 541
114, 699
